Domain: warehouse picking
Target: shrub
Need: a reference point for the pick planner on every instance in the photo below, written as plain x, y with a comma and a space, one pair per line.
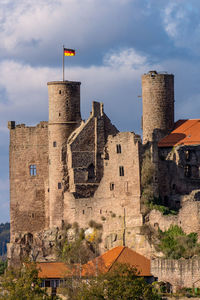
175, 243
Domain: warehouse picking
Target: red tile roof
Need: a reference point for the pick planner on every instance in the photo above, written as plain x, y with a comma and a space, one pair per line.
101, 264
120, 254
186, 132
53, 270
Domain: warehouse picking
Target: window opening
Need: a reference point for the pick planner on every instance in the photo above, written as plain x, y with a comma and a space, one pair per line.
121, 171
59, 91
187, 171
54, 144
187, 155
83, 212
32, 170
91, 174
119, 150
126, 186
59, 185
112, 186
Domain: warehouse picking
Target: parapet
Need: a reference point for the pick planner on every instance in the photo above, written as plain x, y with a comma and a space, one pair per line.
65, 82
11, 124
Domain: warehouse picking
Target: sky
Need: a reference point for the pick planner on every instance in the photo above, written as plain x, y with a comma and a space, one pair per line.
116, 41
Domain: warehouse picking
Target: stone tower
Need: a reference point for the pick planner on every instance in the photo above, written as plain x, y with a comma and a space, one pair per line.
158, 105
64, 117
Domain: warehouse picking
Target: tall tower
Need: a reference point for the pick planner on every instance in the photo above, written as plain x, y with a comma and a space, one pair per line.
64, 117
158, 105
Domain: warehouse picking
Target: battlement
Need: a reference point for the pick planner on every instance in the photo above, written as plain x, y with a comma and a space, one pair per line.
13, 125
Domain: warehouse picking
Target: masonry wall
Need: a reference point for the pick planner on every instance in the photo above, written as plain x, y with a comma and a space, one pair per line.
116, 202
180, 273
64, 118
85, 152
188, 217
178, 170
158, 105
28, 147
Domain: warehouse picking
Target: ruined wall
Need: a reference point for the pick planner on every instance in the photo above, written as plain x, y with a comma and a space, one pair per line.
28, 177
85, 152
180, 273
188, 217
116, 203
178, 169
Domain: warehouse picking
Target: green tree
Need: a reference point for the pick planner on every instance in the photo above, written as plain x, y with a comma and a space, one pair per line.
122, 282
175, 243
22, 284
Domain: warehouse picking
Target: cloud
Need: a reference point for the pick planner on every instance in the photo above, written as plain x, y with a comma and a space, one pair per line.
182, 24
127, 58
34, 32
118, 78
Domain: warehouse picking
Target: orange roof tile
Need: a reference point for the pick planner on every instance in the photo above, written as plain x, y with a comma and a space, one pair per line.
120, 254
53, 270
101, 264
186, 132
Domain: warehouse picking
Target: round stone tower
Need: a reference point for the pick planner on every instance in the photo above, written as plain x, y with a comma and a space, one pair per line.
158, 105
64, 117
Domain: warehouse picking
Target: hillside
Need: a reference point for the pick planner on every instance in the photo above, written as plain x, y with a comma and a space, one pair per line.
4, 237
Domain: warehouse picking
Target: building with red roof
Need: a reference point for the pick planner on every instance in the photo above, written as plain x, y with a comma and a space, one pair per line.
53, 273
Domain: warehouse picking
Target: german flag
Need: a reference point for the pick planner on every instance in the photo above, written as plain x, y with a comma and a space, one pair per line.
69, 52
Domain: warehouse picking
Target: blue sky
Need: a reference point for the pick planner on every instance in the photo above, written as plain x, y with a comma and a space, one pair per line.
116, 41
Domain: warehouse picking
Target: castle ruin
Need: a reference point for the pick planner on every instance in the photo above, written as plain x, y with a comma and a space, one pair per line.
68, 170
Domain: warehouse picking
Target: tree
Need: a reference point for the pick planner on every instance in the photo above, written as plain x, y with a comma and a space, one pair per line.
122, 282
22, 284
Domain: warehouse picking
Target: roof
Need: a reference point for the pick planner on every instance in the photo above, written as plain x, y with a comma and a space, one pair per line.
53, 270
103, 264
186, 132
116, 255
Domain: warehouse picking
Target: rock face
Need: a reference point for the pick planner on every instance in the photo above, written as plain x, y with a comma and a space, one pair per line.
39, 246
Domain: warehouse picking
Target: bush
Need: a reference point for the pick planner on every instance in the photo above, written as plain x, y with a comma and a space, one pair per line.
174, 243
121, 282
95, 225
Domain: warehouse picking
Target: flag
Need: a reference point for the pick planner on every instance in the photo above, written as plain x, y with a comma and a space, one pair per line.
69, 52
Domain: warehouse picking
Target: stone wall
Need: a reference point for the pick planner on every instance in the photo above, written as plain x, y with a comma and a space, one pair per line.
158, 105
64, 118
85, 152
116, 202
28, 177
188, 217
178, 170
179, 273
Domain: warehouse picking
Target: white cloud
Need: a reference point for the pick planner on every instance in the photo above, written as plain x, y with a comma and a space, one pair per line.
45, 24
182, 24
26, 90
127, 58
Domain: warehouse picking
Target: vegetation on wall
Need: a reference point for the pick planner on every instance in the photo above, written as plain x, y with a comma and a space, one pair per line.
77, 247
148, 200
175, 243
147, 175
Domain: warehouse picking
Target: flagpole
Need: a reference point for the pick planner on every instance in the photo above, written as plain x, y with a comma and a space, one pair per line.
63, 65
